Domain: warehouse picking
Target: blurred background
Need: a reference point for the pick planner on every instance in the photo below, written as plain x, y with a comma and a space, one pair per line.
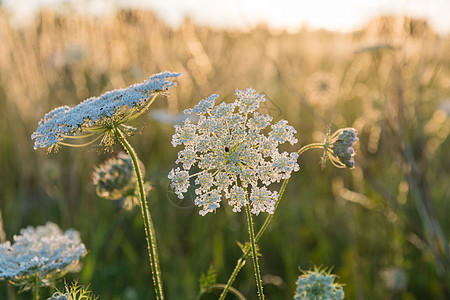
382, 67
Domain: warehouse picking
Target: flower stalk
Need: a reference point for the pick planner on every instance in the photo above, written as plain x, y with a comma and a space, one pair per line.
36, 287
106, 116
148, 223
241, 261
238, 158
254, 252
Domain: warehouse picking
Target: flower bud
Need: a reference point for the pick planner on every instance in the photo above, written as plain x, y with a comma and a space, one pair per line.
318, 284
114, 179
339, 148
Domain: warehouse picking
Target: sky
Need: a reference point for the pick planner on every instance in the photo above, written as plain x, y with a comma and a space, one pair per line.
343, 15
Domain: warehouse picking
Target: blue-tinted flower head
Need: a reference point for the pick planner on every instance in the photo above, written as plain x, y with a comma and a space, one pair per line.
318, 285
100, 114
44, 252
236, 150
204, 106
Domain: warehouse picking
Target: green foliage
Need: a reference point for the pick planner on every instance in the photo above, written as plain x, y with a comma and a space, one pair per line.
207, 280
74, 291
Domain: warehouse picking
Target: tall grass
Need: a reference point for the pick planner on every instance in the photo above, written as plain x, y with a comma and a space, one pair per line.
388, 216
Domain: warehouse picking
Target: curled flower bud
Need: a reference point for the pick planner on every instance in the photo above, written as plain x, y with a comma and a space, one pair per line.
338, 148
41, 254
318, 285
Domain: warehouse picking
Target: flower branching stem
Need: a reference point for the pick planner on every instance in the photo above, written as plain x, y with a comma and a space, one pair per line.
241, 261
148, 224
310, 146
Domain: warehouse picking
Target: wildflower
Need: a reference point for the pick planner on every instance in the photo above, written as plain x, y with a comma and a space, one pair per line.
322, 88
338, 148
114, 180
318, 285
100, 115
235, 156
44, 253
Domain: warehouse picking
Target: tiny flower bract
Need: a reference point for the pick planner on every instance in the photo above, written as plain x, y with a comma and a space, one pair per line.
100, 114
236, 150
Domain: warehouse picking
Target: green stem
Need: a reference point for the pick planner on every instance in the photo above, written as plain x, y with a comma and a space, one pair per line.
36, 288
254, 254
310, 146
148, 224
241, 261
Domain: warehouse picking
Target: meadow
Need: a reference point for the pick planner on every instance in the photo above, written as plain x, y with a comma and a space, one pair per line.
383, 226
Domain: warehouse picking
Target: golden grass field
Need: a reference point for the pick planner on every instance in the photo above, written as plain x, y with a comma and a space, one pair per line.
383, 226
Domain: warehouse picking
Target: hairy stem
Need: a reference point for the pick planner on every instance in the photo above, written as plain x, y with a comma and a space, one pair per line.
36, 288
254, 254
241, 261
148, 224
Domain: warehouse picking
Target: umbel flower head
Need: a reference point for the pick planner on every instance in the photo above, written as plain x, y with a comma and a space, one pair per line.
318, 285
44, 253
115, 180
338, 148
235, 149
98, 117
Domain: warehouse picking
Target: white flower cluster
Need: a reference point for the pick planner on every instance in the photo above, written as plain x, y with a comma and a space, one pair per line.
42, 251
234, 154
64, 121
318, 286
